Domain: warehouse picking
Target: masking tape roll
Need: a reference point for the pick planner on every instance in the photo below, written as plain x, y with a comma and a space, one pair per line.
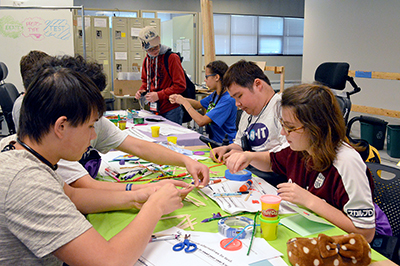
242, 175
225, 227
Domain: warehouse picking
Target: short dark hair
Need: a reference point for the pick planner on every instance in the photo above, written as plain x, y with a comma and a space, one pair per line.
90, 68
28, 61
218, 67
55, 92
243, 73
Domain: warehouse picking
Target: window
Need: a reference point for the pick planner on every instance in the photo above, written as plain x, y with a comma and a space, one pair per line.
258, 35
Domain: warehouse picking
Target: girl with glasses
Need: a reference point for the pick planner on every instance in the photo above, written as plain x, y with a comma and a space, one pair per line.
327, 175
219, 108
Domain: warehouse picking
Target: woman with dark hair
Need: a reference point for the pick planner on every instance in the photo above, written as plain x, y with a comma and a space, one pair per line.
219, 108
325, 173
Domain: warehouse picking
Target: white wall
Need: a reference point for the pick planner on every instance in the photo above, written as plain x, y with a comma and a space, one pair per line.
364, 33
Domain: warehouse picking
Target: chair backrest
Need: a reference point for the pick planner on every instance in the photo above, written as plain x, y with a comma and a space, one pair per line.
8, 95
334, 75
387, 192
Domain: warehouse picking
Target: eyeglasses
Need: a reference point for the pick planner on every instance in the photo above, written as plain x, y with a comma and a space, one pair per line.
289, 130
211, 75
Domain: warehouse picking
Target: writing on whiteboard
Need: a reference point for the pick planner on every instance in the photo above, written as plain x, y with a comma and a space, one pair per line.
35, 27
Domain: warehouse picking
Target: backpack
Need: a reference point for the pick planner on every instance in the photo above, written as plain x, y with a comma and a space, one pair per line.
189, 92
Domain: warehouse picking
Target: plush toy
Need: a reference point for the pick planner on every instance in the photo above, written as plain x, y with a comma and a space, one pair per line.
351, 249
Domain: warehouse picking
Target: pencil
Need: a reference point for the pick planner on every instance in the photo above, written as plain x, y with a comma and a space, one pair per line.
212, 152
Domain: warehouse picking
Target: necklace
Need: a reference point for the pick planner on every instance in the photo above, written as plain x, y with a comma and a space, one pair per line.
37, 155
251, 117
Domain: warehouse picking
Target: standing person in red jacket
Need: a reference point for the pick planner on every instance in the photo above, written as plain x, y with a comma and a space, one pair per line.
157, 83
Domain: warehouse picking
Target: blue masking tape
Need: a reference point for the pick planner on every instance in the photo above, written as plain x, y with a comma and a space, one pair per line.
225, 227
363, 74
242, 175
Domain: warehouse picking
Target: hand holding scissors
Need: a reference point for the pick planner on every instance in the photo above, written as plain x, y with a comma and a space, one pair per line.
190, 247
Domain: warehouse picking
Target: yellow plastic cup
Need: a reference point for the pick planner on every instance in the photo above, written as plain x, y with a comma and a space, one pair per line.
269, 228
122, 124
155, 131
270, 206
172, 139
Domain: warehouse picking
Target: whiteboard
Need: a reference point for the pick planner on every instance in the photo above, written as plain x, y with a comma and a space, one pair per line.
23, 30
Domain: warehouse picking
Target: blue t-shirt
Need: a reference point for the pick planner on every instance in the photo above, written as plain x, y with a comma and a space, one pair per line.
223, 116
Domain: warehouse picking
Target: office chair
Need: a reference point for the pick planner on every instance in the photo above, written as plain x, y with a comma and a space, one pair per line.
387, 192
387, 197
334, 75
8, 95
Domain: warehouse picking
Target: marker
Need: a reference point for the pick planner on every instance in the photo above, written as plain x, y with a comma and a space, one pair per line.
216, 181
246, 186
231, 194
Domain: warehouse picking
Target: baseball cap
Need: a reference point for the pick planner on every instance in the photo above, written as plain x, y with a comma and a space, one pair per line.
149, 37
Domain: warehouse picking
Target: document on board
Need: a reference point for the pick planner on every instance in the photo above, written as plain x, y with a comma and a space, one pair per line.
305, 223
209, 251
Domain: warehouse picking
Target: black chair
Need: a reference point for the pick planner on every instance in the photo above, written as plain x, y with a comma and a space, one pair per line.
387, 192
8, 95
335, 75
387, 197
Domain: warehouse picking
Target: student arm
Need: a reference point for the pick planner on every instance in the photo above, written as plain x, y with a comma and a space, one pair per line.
223, 152
191, 107
240, 160
90, 248
161, 155
293, 193
97, 200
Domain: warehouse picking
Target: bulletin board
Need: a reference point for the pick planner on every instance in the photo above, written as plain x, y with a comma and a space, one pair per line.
23, 30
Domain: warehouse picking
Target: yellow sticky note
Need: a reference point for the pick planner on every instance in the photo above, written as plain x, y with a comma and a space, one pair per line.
105, 62
123, 34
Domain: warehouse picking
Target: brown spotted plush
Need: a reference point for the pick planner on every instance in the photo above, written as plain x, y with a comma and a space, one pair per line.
351, 249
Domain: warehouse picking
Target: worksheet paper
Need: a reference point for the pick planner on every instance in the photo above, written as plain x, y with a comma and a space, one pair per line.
209, 252
234, 205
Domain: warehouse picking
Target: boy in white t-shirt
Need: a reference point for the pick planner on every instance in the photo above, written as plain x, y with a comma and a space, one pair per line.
259, 128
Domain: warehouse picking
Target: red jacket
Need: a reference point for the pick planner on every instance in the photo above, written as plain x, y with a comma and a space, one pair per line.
165, 85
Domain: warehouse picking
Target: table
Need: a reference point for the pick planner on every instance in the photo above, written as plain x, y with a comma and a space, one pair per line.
110, 223
188, 139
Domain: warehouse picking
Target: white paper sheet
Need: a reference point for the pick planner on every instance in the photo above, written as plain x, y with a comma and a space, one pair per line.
234, 205
209, 251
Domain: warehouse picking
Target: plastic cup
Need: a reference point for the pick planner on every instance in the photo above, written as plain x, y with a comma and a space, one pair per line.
172, 139
122, 124
269, 228
115, 121
270, 206
155, 131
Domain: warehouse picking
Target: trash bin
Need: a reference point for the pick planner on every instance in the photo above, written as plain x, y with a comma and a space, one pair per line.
393, 141
373, 130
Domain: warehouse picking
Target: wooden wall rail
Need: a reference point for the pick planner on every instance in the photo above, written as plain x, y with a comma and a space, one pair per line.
375, 75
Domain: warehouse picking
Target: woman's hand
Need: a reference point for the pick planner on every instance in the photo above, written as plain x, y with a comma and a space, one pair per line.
295, 194
176, 98
238, 161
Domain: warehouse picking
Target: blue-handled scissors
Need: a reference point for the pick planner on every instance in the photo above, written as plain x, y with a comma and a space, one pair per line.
190, 247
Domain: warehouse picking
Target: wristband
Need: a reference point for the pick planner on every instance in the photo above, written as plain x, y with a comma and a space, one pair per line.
128, 187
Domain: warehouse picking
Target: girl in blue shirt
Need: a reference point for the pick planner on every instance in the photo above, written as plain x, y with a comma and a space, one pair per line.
219, 108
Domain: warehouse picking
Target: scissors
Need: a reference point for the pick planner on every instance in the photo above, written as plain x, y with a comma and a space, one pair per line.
191, 247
